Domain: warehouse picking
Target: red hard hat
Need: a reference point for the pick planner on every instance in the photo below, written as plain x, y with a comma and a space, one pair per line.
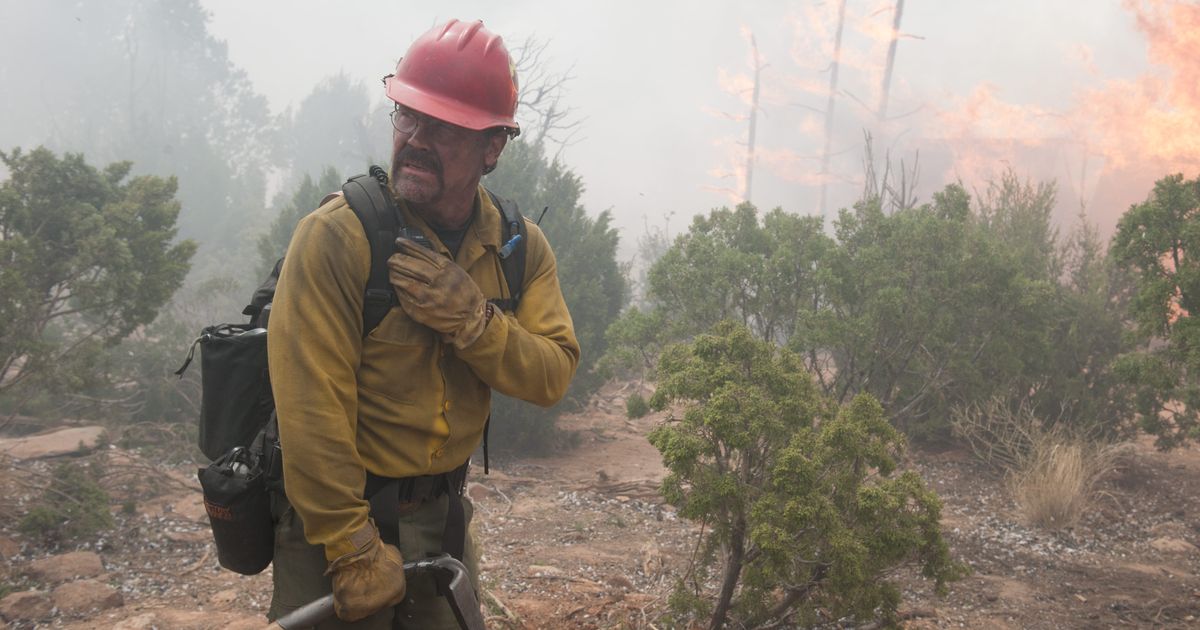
461, 73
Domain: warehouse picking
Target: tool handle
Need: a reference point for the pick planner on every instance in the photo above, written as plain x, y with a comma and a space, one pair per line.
307, 615
453, 583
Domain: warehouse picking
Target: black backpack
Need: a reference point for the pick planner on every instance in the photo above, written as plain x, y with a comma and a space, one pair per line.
238, 429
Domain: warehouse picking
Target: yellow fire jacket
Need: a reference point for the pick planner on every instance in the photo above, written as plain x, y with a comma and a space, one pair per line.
399, 402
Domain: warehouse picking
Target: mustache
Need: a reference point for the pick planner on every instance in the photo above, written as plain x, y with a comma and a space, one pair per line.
420, 157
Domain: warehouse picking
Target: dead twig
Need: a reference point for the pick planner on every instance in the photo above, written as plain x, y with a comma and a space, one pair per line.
509, 615
507, 500
638, 489
645, 619
564, 578
199, 563
905, 615
155, 474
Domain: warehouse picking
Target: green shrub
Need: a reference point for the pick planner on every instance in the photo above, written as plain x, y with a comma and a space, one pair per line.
73, 507
90, 256
636, 406
802, 505
923, 307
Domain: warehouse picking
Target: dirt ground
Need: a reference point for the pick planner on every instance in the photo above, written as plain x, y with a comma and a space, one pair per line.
582, 540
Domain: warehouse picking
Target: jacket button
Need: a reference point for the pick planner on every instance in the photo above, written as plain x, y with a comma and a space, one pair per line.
446, 406
438, 453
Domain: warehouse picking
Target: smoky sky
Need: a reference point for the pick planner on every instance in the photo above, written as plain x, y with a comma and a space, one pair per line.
661, 93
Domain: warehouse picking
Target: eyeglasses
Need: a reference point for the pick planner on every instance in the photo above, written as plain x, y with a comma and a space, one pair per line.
406, 121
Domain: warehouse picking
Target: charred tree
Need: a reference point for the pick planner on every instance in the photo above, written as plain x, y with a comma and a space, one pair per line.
831, 104
758, 66
886, 86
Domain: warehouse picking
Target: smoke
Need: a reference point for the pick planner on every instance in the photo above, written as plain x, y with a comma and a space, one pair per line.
1155, 118
1104, 145
1115, 138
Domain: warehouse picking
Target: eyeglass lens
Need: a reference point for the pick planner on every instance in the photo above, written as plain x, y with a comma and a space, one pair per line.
407, 122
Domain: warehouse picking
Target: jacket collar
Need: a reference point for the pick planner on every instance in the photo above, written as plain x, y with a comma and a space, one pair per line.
483, 232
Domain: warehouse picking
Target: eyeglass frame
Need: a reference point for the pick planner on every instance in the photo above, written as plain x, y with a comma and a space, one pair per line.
437, 131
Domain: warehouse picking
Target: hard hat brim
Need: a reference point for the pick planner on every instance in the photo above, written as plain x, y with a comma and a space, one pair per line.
444, 109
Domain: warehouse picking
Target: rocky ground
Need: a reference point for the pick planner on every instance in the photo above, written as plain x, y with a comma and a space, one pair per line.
582, 540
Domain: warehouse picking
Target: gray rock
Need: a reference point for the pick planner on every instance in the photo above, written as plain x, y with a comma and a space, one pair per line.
85, 596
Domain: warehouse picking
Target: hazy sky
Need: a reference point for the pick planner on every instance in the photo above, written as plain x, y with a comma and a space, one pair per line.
653, 79
1093, 93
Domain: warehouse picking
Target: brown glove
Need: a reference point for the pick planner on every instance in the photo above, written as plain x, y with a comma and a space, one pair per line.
369, 579
437, 293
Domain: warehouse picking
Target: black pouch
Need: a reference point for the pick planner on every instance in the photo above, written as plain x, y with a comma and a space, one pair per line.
269, 454
239, 511
236, 398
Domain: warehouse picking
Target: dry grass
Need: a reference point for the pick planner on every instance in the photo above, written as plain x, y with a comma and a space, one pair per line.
1056, 481
1052, 471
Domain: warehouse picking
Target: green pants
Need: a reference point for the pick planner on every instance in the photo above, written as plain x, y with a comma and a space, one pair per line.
299, 569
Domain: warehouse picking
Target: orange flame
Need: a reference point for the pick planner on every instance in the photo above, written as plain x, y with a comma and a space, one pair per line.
1108, 145
1139, 128
1154, 118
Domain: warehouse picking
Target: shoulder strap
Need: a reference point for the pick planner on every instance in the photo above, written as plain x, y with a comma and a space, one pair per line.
263, 295
512, 262
381, 221
512, 252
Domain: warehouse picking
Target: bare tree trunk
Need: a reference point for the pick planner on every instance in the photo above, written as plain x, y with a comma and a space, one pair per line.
131, 51
886, 87
831, 104
733, 572
753, 122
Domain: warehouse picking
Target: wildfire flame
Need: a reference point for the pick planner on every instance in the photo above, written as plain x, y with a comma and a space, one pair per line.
1138, 129
1106, 147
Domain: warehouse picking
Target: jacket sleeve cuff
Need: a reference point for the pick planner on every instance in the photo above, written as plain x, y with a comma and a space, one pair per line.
353, 544
490, 343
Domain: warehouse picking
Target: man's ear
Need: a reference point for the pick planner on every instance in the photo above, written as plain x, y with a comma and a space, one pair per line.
496, 141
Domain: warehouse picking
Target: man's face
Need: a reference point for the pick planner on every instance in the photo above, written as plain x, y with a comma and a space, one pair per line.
436, 166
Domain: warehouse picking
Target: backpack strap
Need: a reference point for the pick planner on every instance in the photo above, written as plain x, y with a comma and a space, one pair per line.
512, 263
261, 300
512, 252
381, 221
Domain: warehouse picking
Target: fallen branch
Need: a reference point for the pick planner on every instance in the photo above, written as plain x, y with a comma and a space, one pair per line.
502, 496
509, 615
642, 489
564, 578
905, 615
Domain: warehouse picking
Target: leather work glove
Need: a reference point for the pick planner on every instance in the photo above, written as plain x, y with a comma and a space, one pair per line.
437, 293
369, 579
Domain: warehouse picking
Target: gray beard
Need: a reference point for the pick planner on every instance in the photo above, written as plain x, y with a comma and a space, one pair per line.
414, 193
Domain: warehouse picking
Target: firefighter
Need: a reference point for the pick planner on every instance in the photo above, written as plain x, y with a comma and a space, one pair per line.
377, 432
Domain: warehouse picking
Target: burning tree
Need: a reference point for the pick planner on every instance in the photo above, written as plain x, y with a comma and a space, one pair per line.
1158, 241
